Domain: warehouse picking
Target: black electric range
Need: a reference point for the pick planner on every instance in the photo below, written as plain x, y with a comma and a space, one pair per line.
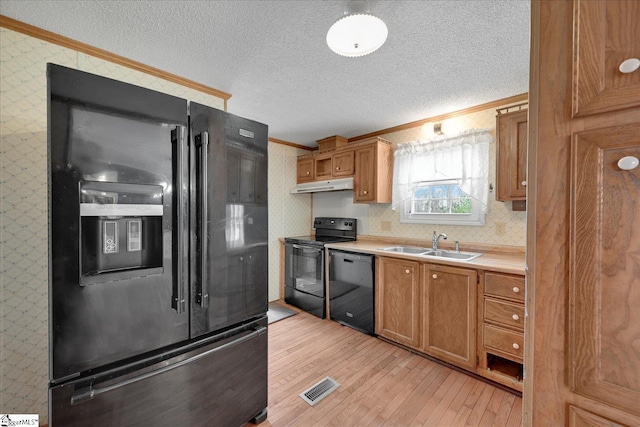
305, 285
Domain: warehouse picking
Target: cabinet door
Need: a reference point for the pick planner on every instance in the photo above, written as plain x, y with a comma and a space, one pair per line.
305, 170
449, 320
365, 176
604, 287
512, 156
343, 163
398, 301
606, 36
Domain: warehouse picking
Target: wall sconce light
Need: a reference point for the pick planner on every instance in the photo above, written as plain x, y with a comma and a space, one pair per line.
358, 32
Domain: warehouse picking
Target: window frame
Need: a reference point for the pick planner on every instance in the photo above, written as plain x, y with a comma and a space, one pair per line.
475, 218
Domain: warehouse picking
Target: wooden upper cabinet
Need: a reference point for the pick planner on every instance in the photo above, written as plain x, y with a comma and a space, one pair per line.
604, 287
511, 161
449, 314
330, 165
373, 173
343, 163
606, 36
398, 301
305, 169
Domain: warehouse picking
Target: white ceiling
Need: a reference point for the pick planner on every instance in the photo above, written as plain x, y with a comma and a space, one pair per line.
440, 56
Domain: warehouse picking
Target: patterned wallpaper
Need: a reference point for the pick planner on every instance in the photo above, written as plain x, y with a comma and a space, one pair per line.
24, 254
289, 214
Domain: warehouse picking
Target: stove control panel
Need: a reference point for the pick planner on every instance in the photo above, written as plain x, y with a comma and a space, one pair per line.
329, 223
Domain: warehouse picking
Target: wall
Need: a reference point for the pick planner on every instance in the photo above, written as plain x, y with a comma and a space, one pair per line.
502, 225
289, 214
24, 242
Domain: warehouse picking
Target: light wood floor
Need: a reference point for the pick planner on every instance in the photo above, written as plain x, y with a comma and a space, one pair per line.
381, 384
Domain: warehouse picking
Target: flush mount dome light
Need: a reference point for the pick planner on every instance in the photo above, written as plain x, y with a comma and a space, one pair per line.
358, 32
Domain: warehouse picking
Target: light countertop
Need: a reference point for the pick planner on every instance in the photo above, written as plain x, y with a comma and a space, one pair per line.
502, 261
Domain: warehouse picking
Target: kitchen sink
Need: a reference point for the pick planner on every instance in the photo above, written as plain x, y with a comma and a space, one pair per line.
463, 256
415, 250
407, 249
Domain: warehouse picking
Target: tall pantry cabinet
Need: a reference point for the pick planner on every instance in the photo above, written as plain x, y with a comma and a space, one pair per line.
582, 360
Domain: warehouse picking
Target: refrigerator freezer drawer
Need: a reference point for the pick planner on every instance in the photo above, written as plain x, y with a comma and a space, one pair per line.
224, 383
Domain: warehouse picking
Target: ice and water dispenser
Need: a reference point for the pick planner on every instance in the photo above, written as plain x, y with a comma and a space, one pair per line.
120, 231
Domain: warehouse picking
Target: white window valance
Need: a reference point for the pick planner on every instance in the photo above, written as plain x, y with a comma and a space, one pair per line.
463, 158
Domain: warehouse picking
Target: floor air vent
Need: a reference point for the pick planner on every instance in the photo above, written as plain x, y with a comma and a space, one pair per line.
319, 391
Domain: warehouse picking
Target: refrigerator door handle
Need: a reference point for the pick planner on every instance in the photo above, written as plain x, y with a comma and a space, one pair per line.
202, 143
89, 392
178, 137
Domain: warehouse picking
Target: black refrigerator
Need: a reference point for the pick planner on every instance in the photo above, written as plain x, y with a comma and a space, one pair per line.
158, 258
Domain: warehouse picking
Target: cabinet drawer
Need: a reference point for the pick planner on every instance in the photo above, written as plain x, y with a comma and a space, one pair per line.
508, 342
505, 313
504, 286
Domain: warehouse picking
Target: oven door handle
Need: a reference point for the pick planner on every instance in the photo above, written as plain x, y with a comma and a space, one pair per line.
307, 248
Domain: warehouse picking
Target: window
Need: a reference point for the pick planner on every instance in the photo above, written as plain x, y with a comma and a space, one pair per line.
441, 203
443, 180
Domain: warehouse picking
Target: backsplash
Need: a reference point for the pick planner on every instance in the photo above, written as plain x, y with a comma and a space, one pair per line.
502, 225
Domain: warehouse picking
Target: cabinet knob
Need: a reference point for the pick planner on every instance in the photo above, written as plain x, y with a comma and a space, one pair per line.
629, 66
337, 168
515, 317
308, 173
516, 346
365, 192
628, 163
516, 290
524, 183
407, 271
435, 276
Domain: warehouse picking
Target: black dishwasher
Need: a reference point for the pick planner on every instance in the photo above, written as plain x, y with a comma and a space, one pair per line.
351, 283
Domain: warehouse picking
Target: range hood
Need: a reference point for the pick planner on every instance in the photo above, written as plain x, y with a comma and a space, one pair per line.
319, 186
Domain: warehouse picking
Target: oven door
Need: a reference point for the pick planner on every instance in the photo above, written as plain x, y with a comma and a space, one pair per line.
304, 278
304, 266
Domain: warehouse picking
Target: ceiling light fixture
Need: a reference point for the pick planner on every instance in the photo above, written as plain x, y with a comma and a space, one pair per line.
358, 32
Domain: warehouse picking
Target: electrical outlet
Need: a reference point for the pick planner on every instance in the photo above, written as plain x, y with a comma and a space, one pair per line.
385, 225
501, 228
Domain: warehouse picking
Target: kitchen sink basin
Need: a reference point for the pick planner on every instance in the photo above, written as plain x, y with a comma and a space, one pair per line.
407, 249
463, 256
414, 250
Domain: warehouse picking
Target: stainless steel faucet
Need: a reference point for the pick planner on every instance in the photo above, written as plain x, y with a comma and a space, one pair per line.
436, 238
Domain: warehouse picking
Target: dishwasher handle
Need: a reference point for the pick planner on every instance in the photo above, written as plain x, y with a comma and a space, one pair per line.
351, 257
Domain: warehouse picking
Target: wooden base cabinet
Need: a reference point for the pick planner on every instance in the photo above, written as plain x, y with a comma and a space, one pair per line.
398, 301
501, 335
582, 351
449, 315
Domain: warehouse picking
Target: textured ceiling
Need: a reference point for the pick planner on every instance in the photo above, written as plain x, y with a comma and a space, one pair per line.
440, 56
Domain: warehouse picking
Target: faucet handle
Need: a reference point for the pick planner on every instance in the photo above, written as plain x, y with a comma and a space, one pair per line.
457, 246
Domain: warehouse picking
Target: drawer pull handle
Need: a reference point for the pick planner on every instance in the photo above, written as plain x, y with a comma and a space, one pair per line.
516, 290
516, 346
515, 317
407, 271
435, 276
